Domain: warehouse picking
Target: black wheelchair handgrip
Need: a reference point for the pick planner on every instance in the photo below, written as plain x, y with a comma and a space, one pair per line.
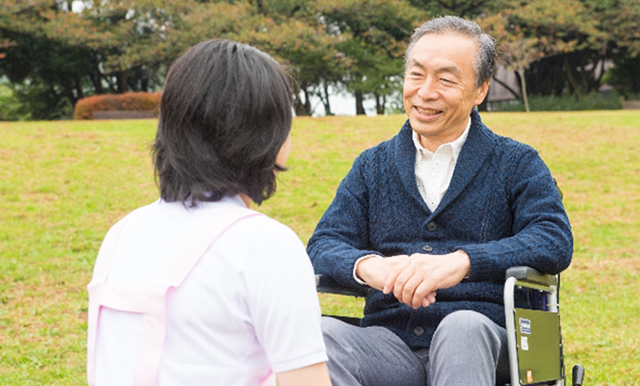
325, 284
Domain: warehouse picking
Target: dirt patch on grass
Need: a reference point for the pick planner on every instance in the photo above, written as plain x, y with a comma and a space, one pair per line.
621, 273
34, 313
631, 264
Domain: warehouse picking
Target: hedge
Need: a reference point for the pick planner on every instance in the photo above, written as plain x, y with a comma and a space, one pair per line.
131, 101
593, 101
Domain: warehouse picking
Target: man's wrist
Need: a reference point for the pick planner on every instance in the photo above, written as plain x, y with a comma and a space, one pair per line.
466, 263
357, 277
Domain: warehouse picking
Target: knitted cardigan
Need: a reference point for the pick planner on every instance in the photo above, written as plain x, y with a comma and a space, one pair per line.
502, 208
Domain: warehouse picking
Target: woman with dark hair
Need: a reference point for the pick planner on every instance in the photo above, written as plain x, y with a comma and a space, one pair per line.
196, 288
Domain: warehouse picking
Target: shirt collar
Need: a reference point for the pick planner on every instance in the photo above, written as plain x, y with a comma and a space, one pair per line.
456, 145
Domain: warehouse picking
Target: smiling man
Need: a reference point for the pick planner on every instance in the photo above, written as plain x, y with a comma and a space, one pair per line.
430, 220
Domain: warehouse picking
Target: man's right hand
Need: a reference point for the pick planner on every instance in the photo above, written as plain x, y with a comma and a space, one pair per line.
375, 270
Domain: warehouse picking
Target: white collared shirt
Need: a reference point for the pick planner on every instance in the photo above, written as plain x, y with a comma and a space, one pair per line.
434, 170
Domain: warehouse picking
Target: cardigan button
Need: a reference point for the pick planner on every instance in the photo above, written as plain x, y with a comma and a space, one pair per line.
428, 248
432, 226
418, 331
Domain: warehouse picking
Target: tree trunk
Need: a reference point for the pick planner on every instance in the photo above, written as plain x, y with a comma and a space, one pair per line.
79, 90
523, 86
324, 96
96, 80
573, 82
302, 108
298, 107
381, 101
297, 102
307, 101
503, 84
144, 83
359, 103
121, 82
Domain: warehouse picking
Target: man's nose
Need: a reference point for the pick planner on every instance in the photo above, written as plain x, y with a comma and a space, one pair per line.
427, 89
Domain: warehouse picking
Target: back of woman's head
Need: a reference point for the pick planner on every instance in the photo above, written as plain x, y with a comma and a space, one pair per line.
224, 114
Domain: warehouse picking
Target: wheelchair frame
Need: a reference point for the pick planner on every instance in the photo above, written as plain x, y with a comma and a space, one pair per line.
525, 369
541, 367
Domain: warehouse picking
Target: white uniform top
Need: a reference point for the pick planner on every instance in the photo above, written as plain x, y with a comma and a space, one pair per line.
249, 306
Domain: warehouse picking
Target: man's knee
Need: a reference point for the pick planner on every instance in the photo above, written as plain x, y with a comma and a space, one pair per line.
335, 331
369, 355
465, 324
469, 333
331, 324
468, 344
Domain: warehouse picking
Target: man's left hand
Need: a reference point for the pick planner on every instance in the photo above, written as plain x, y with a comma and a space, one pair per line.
414, 282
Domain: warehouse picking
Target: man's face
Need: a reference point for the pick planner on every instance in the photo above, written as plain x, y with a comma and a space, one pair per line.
439, 87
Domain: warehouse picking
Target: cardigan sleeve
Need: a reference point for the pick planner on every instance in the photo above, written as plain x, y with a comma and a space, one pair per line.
342, 235
541, 234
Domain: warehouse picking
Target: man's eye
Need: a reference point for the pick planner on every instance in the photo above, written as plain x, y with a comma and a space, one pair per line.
447, 81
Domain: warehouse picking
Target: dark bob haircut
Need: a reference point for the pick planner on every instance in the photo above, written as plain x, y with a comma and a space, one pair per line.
225, 112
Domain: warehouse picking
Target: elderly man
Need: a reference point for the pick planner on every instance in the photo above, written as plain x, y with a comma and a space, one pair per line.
431, 220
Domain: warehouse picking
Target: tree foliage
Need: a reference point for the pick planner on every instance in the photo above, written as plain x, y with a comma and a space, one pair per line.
378, 32
50, 57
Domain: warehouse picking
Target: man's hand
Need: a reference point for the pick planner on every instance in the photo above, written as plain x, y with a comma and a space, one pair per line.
414, 281
375, 270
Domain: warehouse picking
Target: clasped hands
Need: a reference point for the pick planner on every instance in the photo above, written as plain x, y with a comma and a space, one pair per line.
414, 279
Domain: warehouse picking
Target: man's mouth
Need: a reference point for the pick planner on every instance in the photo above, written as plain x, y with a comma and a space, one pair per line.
427, 111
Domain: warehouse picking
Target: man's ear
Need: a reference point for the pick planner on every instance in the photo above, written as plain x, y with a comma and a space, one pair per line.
482, 92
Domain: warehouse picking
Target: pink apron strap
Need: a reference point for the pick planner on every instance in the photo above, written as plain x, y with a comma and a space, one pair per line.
201, 241
155, 322
100, 273
150, 300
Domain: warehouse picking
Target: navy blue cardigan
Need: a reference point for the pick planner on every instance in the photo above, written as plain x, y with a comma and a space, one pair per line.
502, 208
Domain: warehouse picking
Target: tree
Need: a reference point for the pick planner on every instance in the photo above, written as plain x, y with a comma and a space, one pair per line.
128, 45
464, 8
625, 75
618, 39
47, 75
378, 33
299, 39
52, 56
516, 51
530, 32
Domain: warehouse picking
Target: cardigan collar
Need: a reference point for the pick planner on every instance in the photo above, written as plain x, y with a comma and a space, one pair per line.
476, 149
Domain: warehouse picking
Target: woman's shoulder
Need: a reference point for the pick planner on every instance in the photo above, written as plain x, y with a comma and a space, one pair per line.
265, 232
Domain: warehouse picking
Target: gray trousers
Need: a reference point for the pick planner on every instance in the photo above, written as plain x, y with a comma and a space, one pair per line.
467, 349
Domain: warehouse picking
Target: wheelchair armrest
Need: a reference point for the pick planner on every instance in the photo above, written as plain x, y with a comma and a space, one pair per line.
531, 275
325, 284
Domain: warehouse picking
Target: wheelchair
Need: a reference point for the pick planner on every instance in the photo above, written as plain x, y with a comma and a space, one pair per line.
534, 334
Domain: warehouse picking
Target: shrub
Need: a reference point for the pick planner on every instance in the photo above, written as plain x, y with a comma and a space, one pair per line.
10, 107
593, 101
131, 101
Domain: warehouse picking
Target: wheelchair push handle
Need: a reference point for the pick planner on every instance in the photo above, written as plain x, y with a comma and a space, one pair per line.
531, 275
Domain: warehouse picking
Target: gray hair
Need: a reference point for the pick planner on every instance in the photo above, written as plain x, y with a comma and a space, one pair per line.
485, 61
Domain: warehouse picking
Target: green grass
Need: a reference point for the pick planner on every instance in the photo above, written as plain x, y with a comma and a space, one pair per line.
62, 184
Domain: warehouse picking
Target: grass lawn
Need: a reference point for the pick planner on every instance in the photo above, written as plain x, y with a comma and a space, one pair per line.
62, 184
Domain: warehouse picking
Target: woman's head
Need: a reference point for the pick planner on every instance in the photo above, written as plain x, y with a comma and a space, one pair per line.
225, 113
